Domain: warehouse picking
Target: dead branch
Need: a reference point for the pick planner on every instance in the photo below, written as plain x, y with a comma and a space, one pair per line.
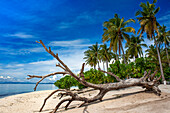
150, 84
43, 77
117, 78
81, 73
58, 65
64, 90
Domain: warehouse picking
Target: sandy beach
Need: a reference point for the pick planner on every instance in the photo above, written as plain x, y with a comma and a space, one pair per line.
131, 100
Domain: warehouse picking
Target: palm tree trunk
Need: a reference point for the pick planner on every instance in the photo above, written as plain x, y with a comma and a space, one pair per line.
98, 65
103, 66
116, 56
136, 57
104, 73
167, 54
123, 53
107, 65
160, 63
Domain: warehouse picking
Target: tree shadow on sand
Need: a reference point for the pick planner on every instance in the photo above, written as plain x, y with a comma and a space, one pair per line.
116, 96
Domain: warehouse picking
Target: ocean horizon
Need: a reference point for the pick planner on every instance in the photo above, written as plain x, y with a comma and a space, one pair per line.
19, 88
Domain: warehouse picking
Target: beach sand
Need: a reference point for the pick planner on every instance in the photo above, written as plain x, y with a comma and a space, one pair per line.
131, 100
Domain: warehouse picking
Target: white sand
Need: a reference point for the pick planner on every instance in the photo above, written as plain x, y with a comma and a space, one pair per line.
131, 100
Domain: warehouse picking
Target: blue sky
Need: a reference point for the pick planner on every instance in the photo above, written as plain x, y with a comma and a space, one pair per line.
68, 26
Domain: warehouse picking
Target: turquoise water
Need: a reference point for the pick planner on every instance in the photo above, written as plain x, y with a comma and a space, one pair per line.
13, 89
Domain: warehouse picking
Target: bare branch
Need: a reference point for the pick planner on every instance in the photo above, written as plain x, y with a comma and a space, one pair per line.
144, 75
82, 69
117, 78
159, 78
153, 75
56, 56
81, 73
43, 77
58, 65
62, 101
33, 76
147, 75
50, 96
68, 104
81, 104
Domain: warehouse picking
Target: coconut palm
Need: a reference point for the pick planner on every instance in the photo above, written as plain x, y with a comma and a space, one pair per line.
149, 25
105, 54
115, 31
90, 59
135, 47
164, 38
91, 55
151, 53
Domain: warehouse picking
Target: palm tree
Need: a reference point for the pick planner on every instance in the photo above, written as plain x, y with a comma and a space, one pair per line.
105, 54
149, 25
115, 31
91, 55
135, 47
164, 38
90, 59
151, 53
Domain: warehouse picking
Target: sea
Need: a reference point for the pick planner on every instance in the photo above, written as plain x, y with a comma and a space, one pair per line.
13, 89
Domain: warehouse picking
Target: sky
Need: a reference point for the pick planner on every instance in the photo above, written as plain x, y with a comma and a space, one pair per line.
69, 27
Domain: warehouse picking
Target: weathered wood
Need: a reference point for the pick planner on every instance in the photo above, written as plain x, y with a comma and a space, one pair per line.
147, 81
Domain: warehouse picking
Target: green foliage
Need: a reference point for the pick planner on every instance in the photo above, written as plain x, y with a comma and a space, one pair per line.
92, 76
167, 73
119, 69
134, 70
134, 47
66, 82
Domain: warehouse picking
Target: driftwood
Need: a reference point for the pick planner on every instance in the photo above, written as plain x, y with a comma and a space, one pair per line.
148, 81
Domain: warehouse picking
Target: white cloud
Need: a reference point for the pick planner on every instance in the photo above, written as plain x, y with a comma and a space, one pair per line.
71, 43
9, 66
31, 50
19, 65
8, 77
20, 35
23, 51
73, 60
55, 77
47, 62
85, 18
148, 42
165, 19
69, 46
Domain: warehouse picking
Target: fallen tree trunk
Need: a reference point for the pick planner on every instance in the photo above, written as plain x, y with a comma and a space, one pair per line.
148, 81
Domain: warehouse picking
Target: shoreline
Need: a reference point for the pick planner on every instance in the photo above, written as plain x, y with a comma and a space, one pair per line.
122, 101
12, 94
14, 89
28, 91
